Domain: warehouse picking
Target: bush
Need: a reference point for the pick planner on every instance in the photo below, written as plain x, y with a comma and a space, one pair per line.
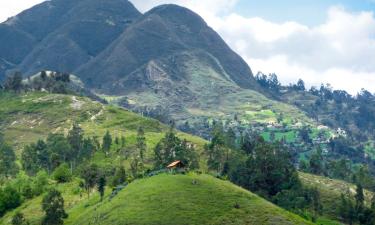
62, 174
9, 199
40, 183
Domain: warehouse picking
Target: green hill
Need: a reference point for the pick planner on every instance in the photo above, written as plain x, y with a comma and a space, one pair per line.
169, 199
25, 118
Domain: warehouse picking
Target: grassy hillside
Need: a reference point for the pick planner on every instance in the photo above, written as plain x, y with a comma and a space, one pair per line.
331, 190
175, 199
28, 117
169, 199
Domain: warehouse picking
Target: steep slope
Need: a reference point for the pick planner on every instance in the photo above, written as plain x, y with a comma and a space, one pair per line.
164, 32
62, 35
168, 62
170, 199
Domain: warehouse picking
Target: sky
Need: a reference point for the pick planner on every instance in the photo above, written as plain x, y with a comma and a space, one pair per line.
319, 41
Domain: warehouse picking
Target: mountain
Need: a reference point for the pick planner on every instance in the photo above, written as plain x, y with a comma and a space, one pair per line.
61, 35
154, 47
167, 63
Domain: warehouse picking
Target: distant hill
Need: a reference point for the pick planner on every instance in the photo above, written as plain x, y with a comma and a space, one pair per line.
31, 116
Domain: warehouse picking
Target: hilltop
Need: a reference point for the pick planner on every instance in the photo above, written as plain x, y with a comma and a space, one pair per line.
170, 199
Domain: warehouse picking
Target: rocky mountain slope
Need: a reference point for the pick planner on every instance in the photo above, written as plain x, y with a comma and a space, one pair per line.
61, 35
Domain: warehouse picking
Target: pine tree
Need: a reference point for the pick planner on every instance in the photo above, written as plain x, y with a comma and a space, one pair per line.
107, 142
359, 199
75, 139
141, 142
53, 206
101, 186
316, 162
8, 166
216, 150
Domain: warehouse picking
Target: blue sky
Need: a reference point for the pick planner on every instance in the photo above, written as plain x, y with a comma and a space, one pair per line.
309, 12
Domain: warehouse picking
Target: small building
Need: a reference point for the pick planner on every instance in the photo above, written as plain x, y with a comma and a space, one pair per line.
176, 165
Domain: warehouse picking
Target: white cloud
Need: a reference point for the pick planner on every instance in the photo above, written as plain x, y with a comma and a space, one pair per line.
9, 8
341, 51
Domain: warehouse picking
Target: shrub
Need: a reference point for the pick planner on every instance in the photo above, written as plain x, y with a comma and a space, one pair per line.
62, 174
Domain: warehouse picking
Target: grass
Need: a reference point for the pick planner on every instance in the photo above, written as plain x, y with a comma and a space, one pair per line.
175, 199
165, 199
28, 117
330, 191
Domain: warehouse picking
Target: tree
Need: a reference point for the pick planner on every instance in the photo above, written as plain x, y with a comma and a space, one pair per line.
141, 142
101, 186
301, 85
59, 149
119, 177
316, 162
35, 157
29, 159
171, 148
14, 82
40, 183
53, 206
89, 174
62, 174
363, 177
19, 219
268, 170
9, 199
231, 139
359, 199
75, 139
217, 151
88, 149
316, 203
107, 142
8, 166
347, 211
43, 156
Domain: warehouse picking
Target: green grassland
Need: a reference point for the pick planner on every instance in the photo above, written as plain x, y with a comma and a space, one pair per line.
168, 199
